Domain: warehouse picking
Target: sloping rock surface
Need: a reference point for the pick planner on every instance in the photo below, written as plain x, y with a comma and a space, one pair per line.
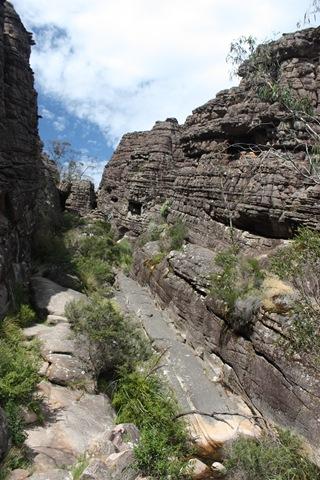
73, 418
286, 389
198, 388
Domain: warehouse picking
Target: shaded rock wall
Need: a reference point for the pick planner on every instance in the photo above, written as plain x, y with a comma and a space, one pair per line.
210, 168
21, 170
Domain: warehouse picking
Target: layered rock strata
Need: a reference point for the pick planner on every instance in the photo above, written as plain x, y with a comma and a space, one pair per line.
236, 159
78, 196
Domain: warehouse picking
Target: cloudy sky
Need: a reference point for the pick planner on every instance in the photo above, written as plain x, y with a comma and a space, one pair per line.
106, 67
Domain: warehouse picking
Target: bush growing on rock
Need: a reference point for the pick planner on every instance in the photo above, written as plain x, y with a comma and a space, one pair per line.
142, 398
278, 457
112, 340
299, 263
18, 376
234, 285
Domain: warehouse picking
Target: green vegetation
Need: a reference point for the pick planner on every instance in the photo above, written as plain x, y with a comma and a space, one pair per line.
16, 458
177, 234
113, 341
273, 92
165, 209
237, 277
86, 249
18, 375
170, 237
80, 466
142, 398
120, 357
278, 457
240, 50
299, 263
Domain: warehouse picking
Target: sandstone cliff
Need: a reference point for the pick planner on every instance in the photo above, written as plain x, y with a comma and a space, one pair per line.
22, 173
237, 161
219, 161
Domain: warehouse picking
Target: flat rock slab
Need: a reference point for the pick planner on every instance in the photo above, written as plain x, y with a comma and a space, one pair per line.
51, 298
52, 475
73, 421
187, 374
65, 370
55, 319
55, 339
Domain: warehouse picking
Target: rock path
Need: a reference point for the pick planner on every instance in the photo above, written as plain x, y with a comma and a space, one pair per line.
196, 388
77, 420
73, 418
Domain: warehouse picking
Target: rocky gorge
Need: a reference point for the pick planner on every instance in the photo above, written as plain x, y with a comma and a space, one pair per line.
222, 196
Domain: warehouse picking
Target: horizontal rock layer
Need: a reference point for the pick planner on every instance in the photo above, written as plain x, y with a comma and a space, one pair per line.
219, 167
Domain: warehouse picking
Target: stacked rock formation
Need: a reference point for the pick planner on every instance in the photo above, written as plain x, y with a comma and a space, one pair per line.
237, 161
22, 173
78, 196
220, 161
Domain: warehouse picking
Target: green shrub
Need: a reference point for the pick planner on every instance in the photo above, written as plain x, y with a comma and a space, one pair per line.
18, 367
236, 278
16, 458
94, 273
152, 234
299, 263
113, 341
273, 92
165, 209
15, 422
143, 399
177, 234
19, 364
125, 255
271, 458
80, 466
26, 316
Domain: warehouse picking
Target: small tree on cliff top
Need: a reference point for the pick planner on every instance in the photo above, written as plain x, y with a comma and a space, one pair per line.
66, 159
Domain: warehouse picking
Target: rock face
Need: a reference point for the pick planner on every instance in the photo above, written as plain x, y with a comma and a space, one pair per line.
219, 164
78, 196
4, 434
285, 389
22, 173
237, 161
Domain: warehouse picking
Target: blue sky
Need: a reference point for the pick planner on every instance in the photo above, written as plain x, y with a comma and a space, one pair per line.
106, 67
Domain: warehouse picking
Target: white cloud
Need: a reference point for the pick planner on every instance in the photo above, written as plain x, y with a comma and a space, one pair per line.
123, 64
60, 124
45, 113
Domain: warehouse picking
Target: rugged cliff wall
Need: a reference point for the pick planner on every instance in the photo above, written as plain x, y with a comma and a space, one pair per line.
220, 161
242, 161
22, 173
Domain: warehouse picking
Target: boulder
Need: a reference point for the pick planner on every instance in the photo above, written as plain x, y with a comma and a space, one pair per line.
73, 420
125, 436
51, 298
197, 469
